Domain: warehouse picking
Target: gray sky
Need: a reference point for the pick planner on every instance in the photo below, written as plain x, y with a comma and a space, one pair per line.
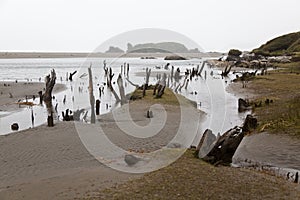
82, 25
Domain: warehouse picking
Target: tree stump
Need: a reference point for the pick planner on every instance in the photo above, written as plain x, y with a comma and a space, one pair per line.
50, 120
47, 96
250, 124
243, 105
97, 107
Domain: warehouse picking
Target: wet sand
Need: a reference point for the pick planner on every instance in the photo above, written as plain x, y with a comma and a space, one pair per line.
51, 163
19, 91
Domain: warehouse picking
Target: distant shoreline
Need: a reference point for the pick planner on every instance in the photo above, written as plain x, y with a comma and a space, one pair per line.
17, 55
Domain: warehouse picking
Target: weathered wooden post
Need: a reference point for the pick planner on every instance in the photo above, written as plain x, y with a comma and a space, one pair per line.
109, 85
92, 98
97, 107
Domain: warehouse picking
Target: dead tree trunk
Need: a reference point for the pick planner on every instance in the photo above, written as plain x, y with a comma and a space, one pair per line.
155, 88
41, 97
135, 85
225, 147
110, 75
182, 84
226, 70
71, 75
127, 72
186, 85
201, 69
148, 72
92, 98
47, 96
177, 75
161, 87
105, 68
172, 73
121, 89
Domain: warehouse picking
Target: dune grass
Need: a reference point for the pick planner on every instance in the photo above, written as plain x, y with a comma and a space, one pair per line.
168, 98
283, 87
190, 178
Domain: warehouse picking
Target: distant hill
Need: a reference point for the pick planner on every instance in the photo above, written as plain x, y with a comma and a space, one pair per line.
114, 50
283, 45
162, 47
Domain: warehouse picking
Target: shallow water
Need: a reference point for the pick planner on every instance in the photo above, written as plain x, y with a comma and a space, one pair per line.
220, 107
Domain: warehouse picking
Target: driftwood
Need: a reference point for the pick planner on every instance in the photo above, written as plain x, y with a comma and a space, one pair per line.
225, 146
92, 98
47, 96
205, 144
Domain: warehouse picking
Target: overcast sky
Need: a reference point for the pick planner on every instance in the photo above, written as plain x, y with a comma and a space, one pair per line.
82, 25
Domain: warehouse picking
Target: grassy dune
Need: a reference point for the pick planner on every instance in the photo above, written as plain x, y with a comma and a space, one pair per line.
283, 87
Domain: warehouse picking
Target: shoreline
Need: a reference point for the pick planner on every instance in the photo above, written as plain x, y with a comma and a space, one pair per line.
24, 55
19, 91
266, 152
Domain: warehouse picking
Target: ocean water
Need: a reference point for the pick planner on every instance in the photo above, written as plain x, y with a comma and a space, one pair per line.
220, 107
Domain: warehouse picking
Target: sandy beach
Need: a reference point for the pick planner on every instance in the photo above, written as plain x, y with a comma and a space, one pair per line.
52, 163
